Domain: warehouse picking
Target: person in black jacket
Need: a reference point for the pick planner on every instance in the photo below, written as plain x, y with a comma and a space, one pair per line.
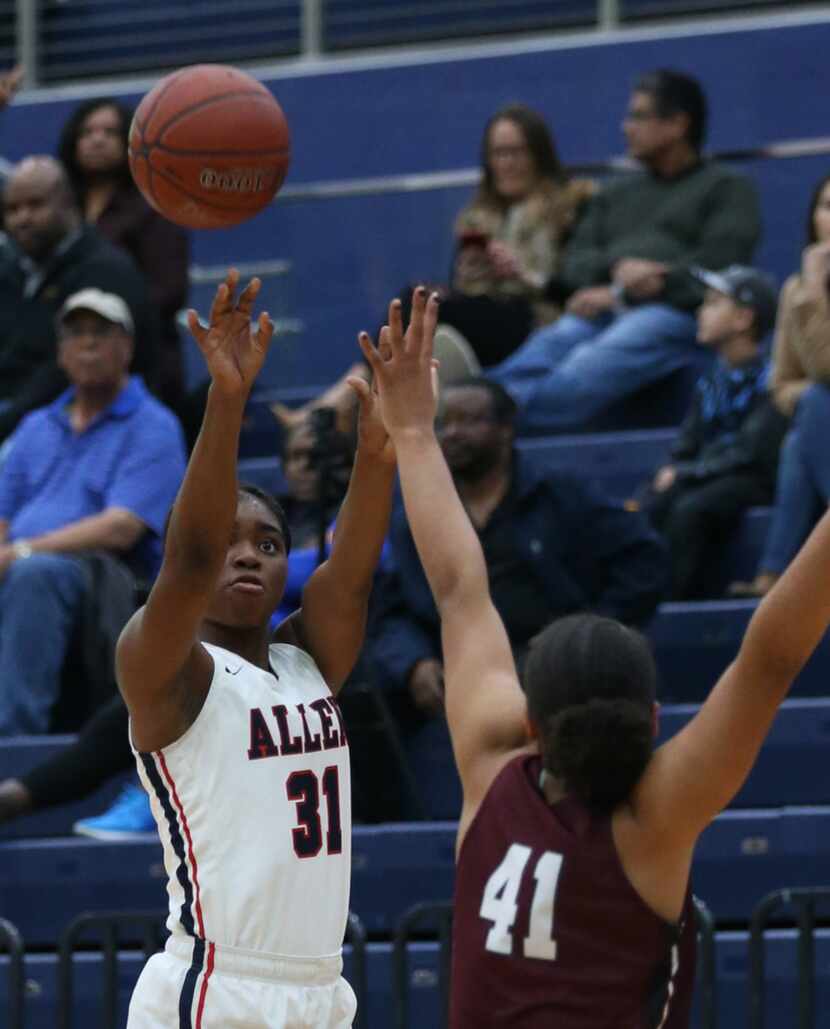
725, 457
554, 545
48, 256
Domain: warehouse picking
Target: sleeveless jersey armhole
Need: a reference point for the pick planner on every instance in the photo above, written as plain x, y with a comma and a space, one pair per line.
199, 717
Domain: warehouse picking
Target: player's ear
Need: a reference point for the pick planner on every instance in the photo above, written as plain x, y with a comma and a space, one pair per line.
530, 729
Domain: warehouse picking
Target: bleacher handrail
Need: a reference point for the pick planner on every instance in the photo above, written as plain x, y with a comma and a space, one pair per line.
804, 900
12, 941
152, 926
442, 913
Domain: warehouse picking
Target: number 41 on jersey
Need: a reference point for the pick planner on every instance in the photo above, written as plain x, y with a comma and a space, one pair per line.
499, 904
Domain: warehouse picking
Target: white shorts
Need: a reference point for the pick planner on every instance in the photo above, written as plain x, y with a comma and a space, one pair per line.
205, 986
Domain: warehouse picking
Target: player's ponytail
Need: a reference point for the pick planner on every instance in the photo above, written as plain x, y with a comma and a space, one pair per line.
598, 749
590, 685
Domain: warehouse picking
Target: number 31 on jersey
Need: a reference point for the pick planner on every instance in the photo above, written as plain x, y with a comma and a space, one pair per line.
499, 904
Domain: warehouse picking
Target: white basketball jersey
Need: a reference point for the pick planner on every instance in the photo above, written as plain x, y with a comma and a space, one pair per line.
253, 805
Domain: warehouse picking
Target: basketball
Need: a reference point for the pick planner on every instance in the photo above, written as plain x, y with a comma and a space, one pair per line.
209, 146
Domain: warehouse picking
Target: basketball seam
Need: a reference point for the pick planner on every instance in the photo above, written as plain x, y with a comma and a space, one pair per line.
200, 200
177, 152
206, 103
155, 103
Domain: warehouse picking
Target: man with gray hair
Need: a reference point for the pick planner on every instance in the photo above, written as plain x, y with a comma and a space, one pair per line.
50, 255
84, 490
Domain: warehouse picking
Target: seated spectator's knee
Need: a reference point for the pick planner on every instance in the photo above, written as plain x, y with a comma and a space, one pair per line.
40, 571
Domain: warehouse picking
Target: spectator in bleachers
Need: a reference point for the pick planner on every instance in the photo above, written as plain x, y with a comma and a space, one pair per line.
91, 475
800, 386
725, 457
93, 149
553, 546
509, 239
509, 242
102, 749
53, 255
630, 317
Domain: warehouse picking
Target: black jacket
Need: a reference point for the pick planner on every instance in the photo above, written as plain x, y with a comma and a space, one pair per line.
583, 551
29, 376
732, 427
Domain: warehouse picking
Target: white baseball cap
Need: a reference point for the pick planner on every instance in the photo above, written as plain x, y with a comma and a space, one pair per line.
107, 305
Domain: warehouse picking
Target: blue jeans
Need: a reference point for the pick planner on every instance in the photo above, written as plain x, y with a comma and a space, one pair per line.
565, 374
40, 602
803, 487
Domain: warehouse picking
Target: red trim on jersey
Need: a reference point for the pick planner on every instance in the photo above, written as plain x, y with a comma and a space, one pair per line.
186, 828
203, 991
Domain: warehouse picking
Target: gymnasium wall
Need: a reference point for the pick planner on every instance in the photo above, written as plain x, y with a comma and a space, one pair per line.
765, 83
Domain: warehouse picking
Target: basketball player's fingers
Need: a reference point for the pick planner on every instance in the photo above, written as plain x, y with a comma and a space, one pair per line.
416, 319
265, 329
373, 358
197, 330
430, 321
248, 295
433, 376
363, 391
220, 302
395, 324
385, 348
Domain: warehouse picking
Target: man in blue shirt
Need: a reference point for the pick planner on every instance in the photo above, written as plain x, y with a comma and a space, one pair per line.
95, 471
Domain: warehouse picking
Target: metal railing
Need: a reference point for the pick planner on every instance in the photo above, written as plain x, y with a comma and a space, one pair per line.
12, 942
438, 916
76, 40
805, 901
147, 929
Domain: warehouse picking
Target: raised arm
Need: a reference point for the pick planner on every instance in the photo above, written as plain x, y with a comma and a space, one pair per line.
331, 623
484, 703
695, 774
163, 670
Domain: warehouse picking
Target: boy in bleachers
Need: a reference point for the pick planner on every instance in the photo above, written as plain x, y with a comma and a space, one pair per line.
726, 454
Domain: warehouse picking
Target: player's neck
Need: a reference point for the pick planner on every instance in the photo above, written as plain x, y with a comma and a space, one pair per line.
250, 644
553, 789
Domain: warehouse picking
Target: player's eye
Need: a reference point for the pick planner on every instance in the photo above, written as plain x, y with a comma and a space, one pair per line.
269, 546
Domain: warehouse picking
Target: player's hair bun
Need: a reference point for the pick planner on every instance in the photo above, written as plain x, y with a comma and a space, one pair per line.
599, 749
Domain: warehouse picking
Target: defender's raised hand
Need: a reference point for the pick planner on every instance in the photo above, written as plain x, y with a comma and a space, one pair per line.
402, 365
233, 353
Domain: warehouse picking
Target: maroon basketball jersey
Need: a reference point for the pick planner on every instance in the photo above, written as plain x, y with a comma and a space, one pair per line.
548, 931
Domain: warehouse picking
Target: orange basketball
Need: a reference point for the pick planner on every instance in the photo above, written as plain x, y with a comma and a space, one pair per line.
209, 146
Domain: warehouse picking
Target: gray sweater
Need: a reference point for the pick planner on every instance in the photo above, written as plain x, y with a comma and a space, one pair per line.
707, 216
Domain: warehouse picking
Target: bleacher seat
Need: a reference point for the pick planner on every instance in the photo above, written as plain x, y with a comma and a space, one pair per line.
694, 642
784, 774
423, 983
18, 755
741, 857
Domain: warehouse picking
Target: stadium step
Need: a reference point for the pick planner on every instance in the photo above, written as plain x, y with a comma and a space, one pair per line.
694, 642
424, 1003
741, 857
784, 774
18, 755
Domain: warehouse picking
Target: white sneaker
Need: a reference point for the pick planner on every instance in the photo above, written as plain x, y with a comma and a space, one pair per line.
456, 357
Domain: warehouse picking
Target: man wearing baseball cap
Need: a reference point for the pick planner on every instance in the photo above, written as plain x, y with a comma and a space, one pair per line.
725, 457
94, 472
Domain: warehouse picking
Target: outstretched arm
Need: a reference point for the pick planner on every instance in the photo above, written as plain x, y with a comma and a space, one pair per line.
163, 670
695, 774
331, 623
484, 703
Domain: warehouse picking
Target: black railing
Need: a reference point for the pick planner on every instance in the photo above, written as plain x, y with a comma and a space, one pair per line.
146, 929
440, 916
417, 916
805, 901
12, 941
